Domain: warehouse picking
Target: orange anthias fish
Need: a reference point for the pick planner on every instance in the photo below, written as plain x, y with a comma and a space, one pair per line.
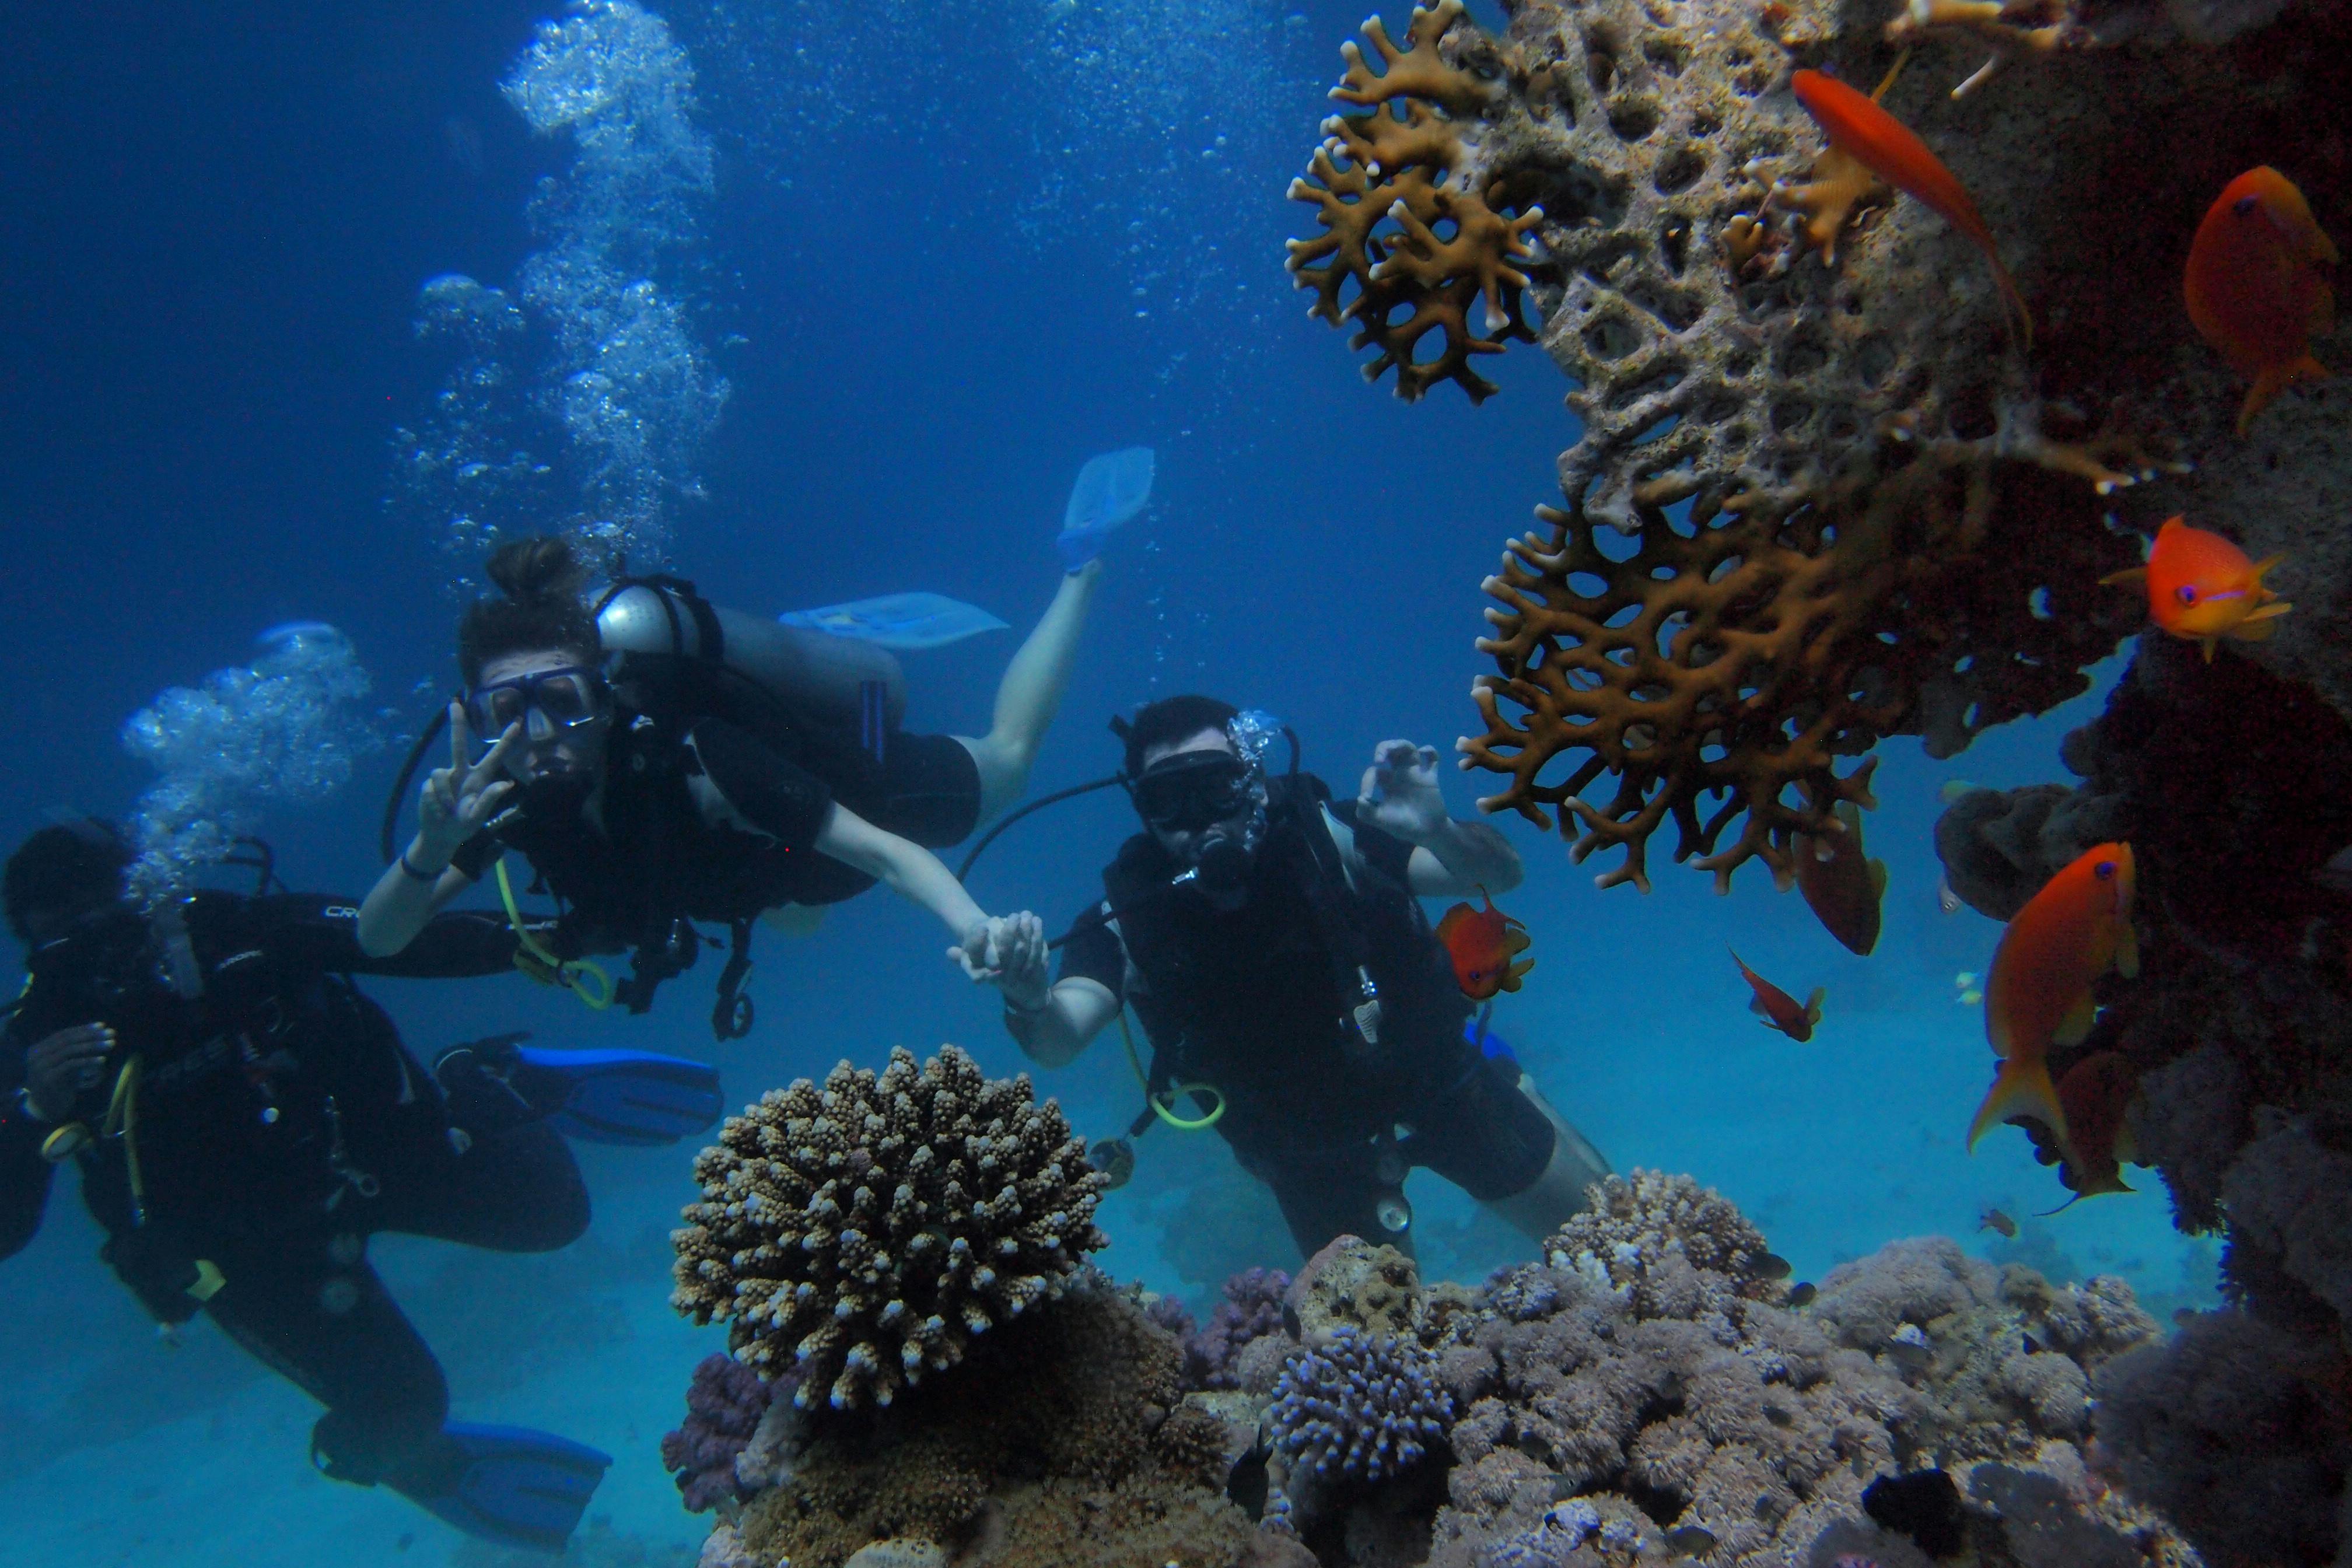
1778, 1009
1482, 944
2258, 286
2067, 935
2095, 1094
2202, 588
1856, 125
1842, 886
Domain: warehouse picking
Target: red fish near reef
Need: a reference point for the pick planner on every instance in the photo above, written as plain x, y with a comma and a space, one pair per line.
2095, 1094
1842, 885
1776, 1008
1856, 125
2202, 588
2257, 285
1482, 944
2067, 935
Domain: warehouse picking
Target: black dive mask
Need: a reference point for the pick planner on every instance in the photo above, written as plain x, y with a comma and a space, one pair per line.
1191, 790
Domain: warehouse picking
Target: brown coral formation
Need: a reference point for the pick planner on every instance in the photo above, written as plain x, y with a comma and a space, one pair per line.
863, 1234
1416, 234
1060, 1444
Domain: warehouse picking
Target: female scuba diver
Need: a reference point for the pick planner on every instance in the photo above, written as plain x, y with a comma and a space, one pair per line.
659, 761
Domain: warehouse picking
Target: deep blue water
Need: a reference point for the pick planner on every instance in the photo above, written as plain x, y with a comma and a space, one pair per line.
950, 250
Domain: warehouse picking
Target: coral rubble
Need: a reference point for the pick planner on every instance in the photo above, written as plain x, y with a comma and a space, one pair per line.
863, 1234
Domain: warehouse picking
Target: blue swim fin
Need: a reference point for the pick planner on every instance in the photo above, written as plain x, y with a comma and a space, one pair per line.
1111, 489
513, 1485
905, 622
1492, 1046
618, 1097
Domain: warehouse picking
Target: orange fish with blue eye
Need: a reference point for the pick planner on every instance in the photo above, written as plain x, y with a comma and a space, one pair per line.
2202, 588
1857, 127
1482, 944
2257, 285
1776, 1009
2055, 950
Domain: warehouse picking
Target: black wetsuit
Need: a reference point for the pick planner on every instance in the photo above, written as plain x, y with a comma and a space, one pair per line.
661, 861
277, 1123
1257, 1002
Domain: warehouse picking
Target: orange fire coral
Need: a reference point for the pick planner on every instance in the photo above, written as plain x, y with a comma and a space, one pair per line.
1411, 215
1720, 661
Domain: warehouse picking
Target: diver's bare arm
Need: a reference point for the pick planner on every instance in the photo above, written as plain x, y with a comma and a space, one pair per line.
1462, 856
1075, 1010
399, 906
913, 872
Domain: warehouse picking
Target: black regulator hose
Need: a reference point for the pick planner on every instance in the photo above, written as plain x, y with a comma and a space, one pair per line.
408, 776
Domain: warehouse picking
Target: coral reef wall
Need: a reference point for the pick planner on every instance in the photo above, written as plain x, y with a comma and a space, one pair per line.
1860, 505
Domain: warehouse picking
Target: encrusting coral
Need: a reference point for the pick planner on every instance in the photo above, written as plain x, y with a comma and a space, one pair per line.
862, 1235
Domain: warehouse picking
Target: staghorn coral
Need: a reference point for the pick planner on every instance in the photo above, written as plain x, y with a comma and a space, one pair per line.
1359, 1406
724, 1403
865, 1233
1412, 221
1055, 1440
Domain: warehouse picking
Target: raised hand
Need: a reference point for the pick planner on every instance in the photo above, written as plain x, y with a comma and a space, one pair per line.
459, 799
1400, 794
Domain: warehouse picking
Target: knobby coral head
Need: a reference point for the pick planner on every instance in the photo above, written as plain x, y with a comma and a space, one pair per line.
865, 1232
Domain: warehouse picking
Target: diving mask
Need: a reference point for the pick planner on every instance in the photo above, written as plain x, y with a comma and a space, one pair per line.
545, 702
1192, 791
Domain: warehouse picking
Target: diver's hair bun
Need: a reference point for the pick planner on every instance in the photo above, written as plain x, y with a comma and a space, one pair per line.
538, 571
541, 606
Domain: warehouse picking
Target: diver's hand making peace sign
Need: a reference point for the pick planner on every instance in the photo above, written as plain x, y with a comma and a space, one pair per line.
459, 798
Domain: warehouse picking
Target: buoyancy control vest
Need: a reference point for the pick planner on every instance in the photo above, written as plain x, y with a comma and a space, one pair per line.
1267, 1001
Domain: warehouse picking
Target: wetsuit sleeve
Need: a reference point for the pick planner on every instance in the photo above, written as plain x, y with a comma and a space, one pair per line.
1383, 852
771, 794
24, 1175
307, 931
1094, 952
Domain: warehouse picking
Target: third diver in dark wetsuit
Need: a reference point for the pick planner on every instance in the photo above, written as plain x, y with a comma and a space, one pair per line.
1271, 942
244, 1119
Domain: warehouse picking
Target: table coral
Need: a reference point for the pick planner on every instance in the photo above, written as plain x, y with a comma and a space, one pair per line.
865, 1231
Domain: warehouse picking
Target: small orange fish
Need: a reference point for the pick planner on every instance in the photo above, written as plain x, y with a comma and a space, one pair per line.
1482, 944
1778, 1009
1999, 1224
2257, 285
1856, 125
2202, 588
2067, 935
1842, 885
2095, 1094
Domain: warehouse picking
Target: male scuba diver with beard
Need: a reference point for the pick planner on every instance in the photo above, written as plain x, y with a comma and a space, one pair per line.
245, 1119
659, 762
1295, 997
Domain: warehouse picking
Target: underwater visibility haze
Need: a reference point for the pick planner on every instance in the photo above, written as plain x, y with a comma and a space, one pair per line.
1687, 666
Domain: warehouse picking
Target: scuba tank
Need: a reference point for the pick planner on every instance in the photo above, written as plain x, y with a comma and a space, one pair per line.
829, 683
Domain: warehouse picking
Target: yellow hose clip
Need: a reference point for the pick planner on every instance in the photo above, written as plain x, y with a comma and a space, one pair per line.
209, 1280
1160, 1103
582, 979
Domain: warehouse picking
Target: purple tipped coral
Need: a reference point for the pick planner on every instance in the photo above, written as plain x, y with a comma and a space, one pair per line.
1252, 1310
1362, 1408
723, 1407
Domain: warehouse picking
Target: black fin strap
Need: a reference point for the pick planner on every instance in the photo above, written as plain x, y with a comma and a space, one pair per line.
730, 1017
